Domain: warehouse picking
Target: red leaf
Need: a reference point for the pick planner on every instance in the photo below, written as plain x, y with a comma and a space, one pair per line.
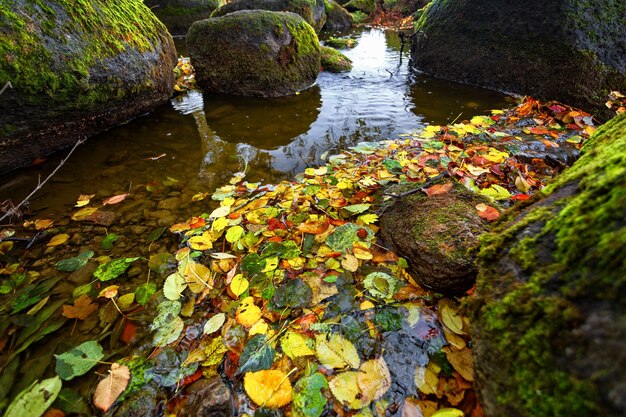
191, 378
539, 131
520, 197
274, 224
129, 332
438, 189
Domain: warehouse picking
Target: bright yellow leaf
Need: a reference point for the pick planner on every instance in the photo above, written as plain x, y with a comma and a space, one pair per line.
58, 239
345, 388
247, 313
239, 285
296, 345
268, 388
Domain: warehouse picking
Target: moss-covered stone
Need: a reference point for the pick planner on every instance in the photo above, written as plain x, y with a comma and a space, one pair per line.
365, 6
77, 68
334, 61
571, 50
337, 18
313, 11
178, 15
254, 53
551, 310
340, 43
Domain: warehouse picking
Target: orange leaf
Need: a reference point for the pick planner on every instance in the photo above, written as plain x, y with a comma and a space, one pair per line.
53, 412
314, 227
129, 332
438, 189
82, 308
115, 199
111, 387
487, 212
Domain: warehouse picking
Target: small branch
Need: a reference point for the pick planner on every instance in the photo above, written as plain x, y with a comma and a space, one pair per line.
40, 183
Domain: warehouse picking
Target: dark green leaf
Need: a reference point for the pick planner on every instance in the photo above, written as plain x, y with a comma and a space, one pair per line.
74, 264
294, 293
389, 319
155, 234
392, 166
252, 264
144, 292
108, 241
256, 355
71, 402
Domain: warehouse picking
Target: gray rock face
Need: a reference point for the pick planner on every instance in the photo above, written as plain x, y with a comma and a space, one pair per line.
254, 53
573, 50
178, 15
313, 11
337, 18
77, 69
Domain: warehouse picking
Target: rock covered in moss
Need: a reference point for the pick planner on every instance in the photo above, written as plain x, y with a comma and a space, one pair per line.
254, 53
435, 234
340, 43
364, 6
337, 18
76, 68
178, 15
573, 51
334, 61
550, 322
313, 11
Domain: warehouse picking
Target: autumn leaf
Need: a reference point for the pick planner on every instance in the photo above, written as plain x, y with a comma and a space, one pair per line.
268, 388
115, 199
438, 189
374, 379
345, 388
84, 213
83, 200
487, 212
336, 352
82, 308
110, 388
58, 239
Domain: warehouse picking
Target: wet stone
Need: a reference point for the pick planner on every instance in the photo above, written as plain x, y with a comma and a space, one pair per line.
138, 230
209, 398
169, 203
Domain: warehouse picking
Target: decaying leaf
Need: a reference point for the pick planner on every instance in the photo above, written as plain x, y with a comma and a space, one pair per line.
82, 308
374, 379
214, 323
336, 352
58, 239
461, 360
110, 388
35, 400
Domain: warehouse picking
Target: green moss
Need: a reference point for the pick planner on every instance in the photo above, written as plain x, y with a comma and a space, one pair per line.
340, 43
562, 255
334, 61
39, 38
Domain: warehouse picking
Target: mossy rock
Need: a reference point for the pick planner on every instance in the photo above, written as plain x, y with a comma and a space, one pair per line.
405, 7
254, 53
365, 6
337, 18
313, 11
571, 50
76, 68
550, 319
334, 61
340, 43
178, 15
436, 234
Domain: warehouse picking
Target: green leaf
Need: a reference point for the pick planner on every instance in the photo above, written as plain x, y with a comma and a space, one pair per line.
252, 264
234, 233
113, 269
36, 399
389, 319
393, 166
155, 234
144, 292
343, 237
308, 399
166, 311
357, 208
71, 402
381, 285
108, 241
294, 293
78, 361
448, 412
169, 332
257, 355
366, 148
74, 264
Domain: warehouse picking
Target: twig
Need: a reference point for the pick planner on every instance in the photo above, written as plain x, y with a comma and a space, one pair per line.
40, 183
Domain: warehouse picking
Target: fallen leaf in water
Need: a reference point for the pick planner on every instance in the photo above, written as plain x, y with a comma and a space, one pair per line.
268, 388
109, 292
438, 189
82, 308
110, 388
461, 361
83, 213
115, 199
374, 379
58, 239
448, 412
83, 200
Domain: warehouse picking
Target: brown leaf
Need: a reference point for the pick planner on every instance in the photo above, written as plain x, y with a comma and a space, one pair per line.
314, 227
438, 189
115, 199
111, 387
82, 308
487, 212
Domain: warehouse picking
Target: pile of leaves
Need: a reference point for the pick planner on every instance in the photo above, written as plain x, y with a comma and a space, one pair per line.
393, 19
286, 290
185, 75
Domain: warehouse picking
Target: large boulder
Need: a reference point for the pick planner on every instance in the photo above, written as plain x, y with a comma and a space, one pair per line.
365, 6
178, 15
436, 234
573, 51
76, 68
254, 53
337, 18
313, 11
550, 322
334, 61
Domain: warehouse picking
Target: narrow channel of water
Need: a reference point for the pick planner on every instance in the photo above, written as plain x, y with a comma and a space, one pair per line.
201, 140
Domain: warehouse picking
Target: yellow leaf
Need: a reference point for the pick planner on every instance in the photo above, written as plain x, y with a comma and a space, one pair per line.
426, 380
461, 360
83, 200
367, 305
43, 224
345, 388
221, 211
271, 264
227, 202
448, 412
374, 379
350, 262
268, 388
82, 214
58, 239
197, 276
239, 285
201, 242
450, 318
296, 345
260, 327
335, 351
247, 313
361, 253
369, 218
220, 224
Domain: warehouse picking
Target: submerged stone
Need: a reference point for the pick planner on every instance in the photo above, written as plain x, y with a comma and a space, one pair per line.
75, 69
573, 51
549, 325
254, 53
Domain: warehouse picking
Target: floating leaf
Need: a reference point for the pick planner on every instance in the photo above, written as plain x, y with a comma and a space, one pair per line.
74, 264
239, 285
374, 379
36, 399
234, 233
256, 355
221, 211
335, 351
214, 323
174, 286
366, 148
201, 242
58, 239
381, 285
461, 361
82, 308
197, 276
168, 332
345, 388
83, 200
113, 269
109, 292
450, 317
83, 213
144, 292
268, 388
115, 199
295, 345
308, 398
79, 360
426, 380
110, 388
